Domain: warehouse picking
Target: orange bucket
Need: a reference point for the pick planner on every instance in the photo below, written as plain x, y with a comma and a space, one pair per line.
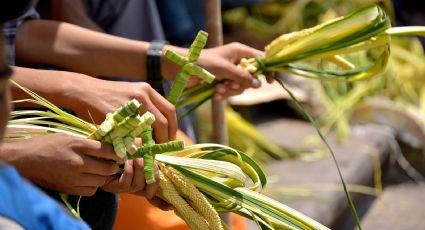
135, 212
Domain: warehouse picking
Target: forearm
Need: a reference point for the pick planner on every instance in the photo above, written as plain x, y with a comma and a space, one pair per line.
42, 42
58, 87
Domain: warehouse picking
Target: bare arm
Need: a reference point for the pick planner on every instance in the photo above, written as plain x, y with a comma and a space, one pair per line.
82, 93
43, 42
56, 86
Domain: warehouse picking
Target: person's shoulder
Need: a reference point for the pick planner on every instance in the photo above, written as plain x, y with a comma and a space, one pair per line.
23, 204
12, 199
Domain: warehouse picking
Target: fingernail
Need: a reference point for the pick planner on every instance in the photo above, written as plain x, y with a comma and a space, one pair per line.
246, 75
255, 83
221, 90
235, 86
218, 97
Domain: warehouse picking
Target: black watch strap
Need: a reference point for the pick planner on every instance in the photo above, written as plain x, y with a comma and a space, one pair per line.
153, 64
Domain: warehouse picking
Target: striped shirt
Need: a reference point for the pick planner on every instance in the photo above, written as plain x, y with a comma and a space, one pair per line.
9, 32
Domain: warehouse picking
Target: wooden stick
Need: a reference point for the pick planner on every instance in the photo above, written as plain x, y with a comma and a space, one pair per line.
215, 38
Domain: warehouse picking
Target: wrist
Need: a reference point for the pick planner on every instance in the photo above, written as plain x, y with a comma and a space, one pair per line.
10, 152
154, 63
74, 91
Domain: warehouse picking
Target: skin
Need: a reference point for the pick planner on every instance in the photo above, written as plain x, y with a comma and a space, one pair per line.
80, 166
5, 105
73, 12
71, 164
51, 43
86, 164
93, 98
75, 166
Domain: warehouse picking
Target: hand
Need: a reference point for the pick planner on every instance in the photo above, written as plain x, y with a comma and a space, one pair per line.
222, 62
161, 204
63, 163
132, 180
95, 98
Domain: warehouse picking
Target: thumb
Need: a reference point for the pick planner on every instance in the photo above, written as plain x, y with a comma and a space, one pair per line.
101, 150
232, 72
244, 51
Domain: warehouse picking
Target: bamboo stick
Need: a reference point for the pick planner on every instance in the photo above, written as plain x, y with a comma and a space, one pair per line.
215, 38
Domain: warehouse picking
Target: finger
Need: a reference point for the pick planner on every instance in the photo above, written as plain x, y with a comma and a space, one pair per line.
233, 85
220, 89
244, 51
126, 178
138, 141
225, 91
99, 149
98, 166
192, 82
255, 83
90, 180
160, 125
269, 80
112, 184
169, 111
139, 175
82, 191
161, 204
228, 94
151, 188
232, 72
121, 183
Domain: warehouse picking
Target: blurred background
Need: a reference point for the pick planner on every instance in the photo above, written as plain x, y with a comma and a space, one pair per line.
376, 126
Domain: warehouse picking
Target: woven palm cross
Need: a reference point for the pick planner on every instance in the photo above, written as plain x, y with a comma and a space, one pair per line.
189, 67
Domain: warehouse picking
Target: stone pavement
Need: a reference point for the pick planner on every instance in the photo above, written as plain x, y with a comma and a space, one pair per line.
314, 187
400, 207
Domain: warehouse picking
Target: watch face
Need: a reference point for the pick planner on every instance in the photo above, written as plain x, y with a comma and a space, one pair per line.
13, 9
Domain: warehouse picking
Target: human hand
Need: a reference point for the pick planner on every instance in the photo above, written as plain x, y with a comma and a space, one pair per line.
63, 163
222, 62
160, 203
95, 98
132, 180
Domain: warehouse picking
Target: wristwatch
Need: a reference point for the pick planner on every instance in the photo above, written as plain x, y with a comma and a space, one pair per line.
153, 65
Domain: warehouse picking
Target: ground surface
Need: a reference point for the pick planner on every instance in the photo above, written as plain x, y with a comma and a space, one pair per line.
313, 187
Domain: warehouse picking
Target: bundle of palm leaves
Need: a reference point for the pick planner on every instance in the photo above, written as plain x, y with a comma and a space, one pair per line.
322, 52
198, 180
